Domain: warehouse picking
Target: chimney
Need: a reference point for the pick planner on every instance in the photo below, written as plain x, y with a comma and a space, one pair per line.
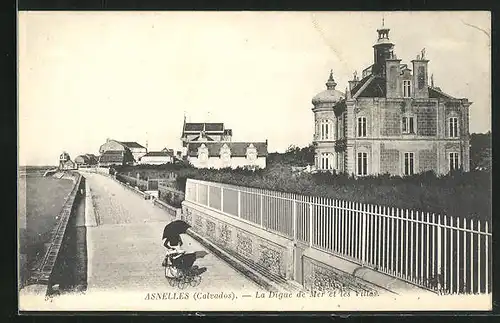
354, 81
392, 79
420, 76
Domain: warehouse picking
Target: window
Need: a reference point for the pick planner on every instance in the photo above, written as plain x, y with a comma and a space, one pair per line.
326, 130
454, 161
408, 124
453, 127
362, 127
362, 164
407, 88
325, 161
409, 166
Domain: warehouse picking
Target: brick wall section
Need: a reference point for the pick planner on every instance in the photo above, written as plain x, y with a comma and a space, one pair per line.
389, 161
427, 160
426, 122
391, 121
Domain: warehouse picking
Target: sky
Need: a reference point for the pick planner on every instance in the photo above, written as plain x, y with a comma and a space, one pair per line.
132, 76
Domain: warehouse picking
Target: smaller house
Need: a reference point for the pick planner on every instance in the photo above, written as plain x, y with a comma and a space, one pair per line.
157, 158
227, 154
65, 162
137, 149
112, 157
86, 160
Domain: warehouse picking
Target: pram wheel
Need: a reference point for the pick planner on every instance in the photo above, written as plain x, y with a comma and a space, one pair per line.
183, 282
195, 281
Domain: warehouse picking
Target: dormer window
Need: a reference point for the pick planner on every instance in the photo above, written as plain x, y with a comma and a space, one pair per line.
203, 153
251, 153
406, 88
225, 154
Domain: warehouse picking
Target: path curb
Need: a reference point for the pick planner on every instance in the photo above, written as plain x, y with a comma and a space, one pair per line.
90, 213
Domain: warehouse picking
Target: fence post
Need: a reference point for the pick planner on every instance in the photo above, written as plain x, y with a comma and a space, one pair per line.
222, 199
239, 203
310, 224
196, 192
261, 209
208, 194
478, 256
363, 242
294, 219
439, 269
486, 265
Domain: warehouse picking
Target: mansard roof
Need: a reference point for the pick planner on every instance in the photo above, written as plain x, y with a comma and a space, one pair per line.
370, 87
238, 149
204, 126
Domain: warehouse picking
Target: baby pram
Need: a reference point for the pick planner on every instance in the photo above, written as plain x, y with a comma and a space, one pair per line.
179, 271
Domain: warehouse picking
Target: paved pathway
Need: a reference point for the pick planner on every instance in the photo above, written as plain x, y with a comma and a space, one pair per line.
125, 250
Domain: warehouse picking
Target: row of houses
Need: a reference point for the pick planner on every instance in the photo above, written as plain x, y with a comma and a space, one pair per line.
204, 145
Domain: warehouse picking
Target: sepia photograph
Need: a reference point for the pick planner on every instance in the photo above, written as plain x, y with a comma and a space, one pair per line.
254, 161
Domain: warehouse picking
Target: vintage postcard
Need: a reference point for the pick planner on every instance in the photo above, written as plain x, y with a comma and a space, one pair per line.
254, 161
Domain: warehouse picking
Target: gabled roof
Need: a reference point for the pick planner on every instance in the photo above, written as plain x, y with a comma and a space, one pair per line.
436, 93
132, 144
238, 149
208, 138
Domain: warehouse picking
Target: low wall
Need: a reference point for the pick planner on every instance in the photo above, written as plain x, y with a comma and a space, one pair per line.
170, 209
42, 273
263, 248
100, 170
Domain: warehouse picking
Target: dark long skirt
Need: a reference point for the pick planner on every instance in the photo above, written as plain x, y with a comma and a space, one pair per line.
185, 261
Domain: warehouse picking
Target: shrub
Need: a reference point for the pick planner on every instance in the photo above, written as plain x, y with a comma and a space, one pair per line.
457, 194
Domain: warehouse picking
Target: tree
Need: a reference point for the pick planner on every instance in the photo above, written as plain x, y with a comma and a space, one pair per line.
128, 158
480, 151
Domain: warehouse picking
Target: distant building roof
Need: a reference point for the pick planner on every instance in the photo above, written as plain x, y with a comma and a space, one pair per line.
238, 149
207, 127
132, 144
159, 154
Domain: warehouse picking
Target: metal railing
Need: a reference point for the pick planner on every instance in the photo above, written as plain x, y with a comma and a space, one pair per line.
442, 253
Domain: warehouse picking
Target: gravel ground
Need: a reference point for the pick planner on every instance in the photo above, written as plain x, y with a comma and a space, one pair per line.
125, 251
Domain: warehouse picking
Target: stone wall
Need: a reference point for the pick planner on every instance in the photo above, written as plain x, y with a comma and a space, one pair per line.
321, 277
428, 160
238, 237
389, 160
